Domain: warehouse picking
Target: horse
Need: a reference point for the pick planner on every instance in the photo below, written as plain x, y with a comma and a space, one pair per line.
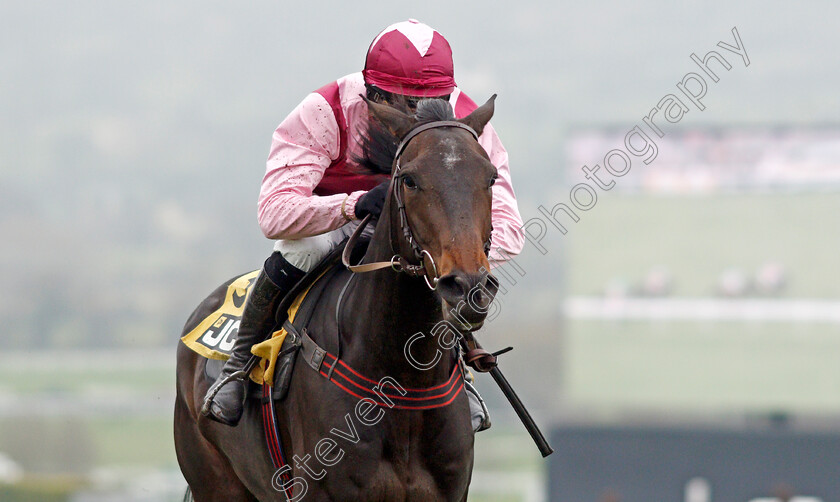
431, 244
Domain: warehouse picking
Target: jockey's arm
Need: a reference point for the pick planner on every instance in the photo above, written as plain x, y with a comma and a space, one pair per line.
507, 239
302, 148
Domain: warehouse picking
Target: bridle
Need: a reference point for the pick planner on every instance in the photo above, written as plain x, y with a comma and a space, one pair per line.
426, 267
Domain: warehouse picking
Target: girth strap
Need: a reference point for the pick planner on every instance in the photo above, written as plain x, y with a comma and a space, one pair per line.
311, 352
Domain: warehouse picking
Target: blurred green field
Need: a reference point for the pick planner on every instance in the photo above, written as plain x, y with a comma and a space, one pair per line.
93, 379
705, 366
708, 368
696, 238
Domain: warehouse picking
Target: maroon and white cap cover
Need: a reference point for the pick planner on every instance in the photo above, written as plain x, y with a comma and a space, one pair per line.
411, 59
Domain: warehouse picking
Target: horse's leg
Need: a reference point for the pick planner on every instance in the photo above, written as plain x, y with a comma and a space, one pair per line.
208, 473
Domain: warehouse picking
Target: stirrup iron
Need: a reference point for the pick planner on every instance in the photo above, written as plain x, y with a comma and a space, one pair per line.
211, 393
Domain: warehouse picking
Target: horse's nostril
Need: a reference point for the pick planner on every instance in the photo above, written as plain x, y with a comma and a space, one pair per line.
453, 288
463, 285
492, 284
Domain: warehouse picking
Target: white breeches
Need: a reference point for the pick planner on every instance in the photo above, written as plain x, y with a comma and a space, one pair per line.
307, 252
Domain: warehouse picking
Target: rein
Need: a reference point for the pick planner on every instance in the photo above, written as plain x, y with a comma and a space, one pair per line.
427, 268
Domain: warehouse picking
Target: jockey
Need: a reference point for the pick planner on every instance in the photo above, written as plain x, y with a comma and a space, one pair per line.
313, 192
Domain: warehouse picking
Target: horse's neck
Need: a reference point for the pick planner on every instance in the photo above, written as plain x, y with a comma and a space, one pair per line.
384, 310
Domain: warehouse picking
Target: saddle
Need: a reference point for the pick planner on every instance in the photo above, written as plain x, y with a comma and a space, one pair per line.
215, 335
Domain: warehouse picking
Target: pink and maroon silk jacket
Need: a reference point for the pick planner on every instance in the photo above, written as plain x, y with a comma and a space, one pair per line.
310, 169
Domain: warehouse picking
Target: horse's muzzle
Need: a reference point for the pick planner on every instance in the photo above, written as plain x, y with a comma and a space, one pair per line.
468, 297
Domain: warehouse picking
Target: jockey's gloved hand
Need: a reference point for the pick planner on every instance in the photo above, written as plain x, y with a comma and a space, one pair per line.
372, 201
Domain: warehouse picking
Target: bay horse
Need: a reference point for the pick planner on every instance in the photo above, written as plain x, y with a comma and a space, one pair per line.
435, 223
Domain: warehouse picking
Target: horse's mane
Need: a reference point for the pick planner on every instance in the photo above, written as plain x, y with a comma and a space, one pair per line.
379, 145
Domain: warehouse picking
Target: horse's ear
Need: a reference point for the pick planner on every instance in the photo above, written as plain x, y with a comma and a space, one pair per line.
480, 116
397, 122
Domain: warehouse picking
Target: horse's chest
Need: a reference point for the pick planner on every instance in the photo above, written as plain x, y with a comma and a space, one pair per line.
388, 481
391, 482
389, 463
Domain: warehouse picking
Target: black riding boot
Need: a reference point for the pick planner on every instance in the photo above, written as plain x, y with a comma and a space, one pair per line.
276, 279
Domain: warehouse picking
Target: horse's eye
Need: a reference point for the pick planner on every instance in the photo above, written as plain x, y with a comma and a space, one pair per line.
493, 179
409, 183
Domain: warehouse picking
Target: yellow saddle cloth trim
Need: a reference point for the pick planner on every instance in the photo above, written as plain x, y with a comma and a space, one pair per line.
213, 339
267, 351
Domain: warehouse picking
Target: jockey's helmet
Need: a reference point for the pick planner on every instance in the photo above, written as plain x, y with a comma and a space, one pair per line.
411, 59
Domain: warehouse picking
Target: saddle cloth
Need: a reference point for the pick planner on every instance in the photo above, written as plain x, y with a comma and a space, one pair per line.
215, 335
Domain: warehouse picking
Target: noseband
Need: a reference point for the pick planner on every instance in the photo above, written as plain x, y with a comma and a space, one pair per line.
427, 268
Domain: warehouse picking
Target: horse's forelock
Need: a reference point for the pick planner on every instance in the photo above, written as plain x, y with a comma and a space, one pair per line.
432, 110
